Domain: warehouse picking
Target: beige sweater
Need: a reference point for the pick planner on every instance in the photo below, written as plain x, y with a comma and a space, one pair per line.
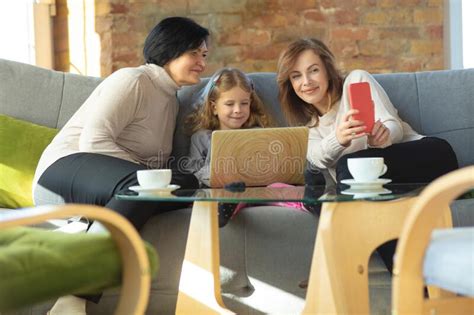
131, 115
324, 150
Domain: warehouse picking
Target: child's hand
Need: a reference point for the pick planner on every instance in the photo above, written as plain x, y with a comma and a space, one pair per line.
350, 129
379, 135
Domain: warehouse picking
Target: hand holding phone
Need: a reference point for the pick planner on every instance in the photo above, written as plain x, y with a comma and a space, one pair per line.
361, 99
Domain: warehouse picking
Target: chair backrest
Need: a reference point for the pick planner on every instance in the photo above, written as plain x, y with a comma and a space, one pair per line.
430, 211
122, 250
42, 96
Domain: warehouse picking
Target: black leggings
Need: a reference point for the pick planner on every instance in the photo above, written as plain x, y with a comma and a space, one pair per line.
419, 161
90, 178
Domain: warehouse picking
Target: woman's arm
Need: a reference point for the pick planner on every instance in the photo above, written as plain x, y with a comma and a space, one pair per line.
115, 107
328, 143
323, 151
384, 109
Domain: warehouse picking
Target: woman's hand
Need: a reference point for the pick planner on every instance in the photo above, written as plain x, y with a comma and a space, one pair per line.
350, 129
379, 135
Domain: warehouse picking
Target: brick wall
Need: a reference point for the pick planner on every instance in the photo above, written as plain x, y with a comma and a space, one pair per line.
376, 35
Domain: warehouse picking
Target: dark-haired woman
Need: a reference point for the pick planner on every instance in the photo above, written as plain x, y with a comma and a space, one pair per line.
125, 125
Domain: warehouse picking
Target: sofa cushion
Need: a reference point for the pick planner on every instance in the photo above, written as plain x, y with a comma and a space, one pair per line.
37, 265
30, 93
449, 260
21, 146
436, 103
76, 90
447, 111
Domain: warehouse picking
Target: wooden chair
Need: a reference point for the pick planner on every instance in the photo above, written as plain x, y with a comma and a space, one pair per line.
134, 259
417, 248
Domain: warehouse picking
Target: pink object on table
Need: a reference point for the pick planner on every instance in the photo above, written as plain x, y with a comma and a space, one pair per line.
298, 206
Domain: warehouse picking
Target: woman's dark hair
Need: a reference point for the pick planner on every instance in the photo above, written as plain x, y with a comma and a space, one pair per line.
172, 37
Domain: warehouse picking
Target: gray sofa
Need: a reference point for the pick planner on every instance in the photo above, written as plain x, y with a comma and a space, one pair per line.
265, 251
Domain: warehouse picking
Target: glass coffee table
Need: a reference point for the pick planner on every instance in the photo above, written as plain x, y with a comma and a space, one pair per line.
352, 225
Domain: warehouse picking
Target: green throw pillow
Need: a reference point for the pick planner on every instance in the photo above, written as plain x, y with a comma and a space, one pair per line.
21, 145
38, 265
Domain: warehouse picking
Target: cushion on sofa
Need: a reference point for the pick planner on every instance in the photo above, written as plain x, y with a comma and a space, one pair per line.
449, 260
21, 144
37, 265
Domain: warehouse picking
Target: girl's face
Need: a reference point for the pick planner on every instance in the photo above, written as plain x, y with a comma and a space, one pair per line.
232, 108
187, 68
309, 79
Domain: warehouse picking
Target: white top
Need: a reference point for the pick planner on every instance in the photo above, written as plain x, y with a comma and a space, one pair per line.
324, 150
131, 115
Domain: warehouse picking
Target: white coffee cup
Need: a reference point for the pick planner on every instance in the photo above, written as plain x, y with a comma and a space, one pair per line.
366, 169
154, 178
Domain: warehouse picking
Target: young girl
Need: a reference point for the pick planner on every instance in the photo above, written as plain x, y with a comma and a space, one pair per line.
228, 102
313, 93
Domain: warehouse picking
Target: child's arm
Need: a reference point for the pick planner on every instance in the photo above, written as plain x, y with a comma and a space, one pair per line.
199, 157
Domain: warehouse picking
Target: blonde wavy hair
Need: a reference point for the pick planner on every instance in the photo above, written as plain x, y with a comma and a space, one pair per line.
222, 81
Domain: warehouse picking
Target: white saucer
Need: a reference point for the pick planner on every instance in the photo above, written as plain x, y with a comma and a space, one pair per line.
154, 191
377, 183
365, 193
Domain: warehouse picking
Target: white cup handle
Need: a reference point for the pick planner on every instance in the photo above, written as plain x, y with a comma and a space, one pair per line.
384, 170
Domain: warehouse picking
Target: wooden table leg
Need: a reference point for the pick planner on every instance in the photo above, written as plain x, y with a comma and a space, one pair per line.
199, 285
348, 233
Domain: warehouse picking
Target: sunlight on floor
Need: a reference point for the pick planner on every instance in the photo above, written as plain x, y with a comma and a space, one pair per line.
266, 298
199, 287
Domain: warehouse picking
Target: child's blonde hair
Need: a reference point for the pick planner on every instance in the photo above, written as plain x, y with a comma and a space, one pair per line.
222, 81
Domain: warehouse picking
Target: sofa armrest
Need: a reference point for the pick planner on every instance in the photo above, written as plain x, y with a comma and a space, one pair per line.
136, 268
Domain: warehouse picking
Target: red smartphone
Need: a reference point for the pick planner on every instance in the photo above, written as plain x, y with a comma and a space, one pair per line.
361, 99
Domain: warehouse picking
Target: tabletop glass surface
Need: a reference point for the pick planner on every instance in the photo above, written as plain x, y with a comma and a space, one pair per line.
307, 194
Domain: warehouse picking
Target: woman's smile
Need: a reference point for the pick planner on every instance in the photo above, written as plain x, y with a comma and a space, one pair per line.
311, 91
